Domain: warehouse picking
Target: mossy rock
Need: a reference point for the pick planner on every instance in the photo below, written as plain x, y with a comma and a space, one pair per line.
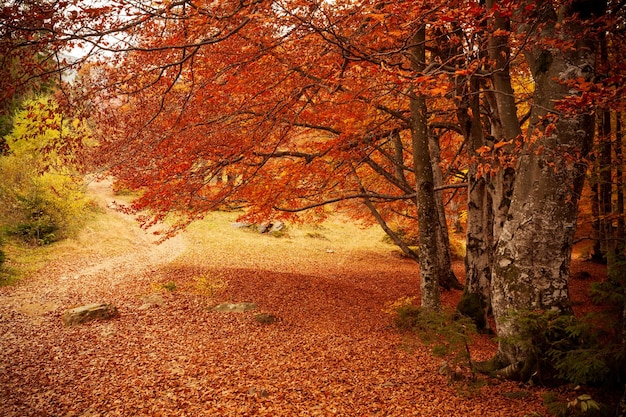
473, 306
89, 312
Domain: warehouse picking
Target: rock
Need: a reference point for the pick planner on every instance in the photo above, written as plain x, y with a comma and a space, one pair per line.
240, 225
265, 318
277, 226
150, 301
264, 227
234, 307
89, 312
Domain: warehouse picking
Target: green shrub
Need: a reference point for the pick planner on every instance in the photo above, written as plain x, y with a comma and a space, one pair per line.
407, 317
40, 208
41, 188
446, 333
564, 348
472, 305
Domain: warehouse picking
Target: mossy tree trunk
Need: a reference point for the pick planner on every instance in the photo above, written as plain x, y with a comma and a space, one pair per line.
476, 299
428, 219
532, 256
448, 279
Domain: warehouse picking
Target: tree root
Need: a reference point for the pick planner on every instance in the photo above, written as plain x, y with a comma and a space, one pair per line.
498, 367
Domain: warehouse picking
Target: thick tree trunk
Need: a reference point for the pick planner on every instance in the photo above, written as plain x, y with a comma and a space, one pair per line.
532, 257
489, 197
426, 205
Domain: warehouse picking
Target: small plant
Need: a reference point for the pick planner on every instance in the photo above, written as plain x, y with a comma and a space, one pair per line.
210, 285
583, 405
316, 235
448, 334
555, 405
563, 348
168, 286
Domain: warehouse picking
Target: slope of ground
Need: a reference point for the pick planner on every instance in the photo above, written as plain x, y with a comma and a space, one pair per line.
332, 351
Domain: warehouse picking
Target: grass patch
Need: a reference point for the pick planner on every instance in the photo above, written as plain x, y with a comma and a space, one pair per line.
216, 241
103, 235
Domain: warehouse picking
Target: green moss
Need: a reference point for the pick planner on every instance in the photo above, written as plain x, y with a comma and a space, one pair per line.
472, 305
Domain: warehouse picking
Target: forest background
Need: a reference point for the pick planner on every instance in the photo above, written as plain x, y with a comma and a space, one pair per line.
482, 116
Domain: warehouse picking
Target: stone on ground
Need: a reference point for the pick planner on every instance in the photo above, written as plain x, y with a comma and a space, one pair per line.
89, 312
234, 307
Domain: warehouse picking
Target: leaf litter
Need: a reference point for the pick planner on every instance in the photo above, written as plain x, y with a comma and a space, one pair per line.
331, 352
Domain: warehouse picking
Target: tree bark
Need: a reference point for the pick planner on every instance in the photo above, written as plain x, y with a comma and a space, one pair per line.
533, 253
507, 127
426, 206
476, 299
448, 279
621, 223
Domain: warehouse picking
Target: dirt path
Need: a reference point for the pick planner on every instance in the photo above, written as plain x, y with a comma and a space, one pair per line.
91, 277
332, 352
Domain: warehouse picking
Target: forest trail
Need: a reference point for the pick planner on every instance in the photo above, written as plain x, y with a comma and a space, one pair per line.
92, 275
332, 352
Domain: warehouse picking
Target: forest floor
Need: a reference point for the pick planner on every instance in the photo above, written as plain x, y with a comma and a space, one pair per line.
333, 350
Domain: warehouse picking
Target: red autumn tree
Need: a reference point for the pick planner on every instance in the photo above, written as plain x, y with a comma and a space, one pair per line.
285, 106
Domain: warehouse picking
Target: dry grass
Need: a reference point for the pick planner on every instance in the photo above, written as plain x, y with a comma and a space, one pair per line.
104, 235
215, 242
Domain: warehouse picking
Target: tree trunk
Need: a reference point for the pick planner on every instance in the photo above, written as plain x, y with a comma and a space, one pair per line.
426, 206
476, 299
448, 279
507, 128
596, 224
621, 224
533, 252
489, 196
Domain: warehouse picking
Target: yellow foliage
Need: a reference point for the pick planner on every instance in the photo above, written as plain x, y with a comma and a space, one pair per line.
210, 285
392, 307
41, 189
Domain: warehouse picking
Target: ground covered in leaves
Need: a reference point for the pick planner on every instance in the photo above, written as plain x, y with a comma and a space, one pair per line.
332, 349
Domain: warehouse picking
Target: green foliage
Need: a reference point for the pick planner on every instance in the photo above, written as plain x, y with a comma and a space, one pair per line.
41, 189
612, 292
582, 405
472, 305
407, 317
446, 333
561, 347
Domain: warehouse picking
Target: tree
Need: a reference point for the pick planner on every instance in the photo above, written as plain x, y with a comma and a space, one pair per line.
41, 187
532, 256
287, 106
